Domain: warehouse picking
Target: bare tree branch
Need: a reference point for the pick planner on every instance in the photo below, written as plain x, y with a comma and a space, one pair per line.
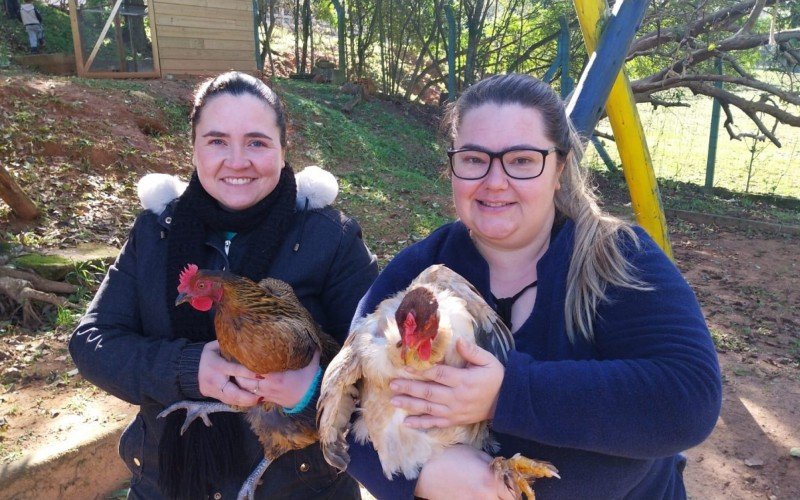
702, 25
656, 102
646, 88
729, 127
729, 44
750, 108
752, 18
603, 135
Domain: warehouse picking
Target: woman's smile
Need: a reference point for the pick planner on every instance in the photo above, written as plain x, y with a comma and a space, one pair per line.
237, 181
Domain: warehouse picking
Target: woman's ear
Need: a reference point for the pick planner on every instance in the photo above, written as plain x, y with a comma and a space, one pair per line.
560, 171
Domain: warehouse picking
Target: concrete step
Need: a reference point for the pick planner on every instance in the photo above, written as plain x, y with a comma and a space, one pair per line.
85, 466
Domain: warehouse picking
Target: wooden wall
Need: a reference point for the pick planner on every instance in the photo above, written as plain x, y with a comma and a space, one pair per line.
204, 36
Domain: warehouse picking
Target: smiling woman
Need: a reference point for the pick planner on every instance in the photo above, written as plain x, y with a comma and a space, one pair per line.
614, 371
243, 212
237, 151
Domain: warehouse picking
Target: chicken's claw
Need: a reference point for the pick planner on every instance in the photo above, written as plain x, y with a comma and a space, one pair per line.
248, 490
195, 409
518, 473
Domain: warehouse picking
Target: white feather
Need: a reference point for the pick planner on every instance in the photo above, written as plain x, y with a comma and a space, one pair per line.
156, 190
318, 186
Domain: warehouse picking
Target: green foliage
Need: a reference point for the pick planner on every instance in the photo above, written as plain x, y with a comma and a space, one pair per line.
386, 160
88, 275
65, 318
57, 29
13, 38
177, 116
57, 32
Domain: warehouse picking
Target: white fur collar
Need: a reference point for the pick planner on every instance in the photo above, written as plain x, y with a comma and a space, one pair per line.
314, 184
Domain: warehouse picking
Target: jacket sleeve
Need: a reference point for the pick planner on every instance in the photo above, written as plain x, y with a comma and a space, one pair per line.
112, 351
352, 271
38, 14
653, 389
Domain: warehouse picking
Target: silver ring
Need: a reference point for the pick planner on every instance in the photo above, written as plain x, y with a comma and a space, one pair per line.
256, 388
222, 389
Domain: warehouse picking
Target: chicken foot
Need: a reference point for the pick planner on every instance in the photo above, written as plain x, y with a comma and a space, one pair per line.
248, 490
519, 472
197, 409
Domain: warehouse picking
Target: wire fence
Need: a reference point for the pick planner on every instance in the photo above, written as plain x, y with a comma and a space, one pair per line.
678, 137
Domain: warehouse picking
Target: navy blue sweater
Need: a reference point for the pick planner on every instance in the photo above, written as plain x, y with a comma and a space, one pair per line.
612, 415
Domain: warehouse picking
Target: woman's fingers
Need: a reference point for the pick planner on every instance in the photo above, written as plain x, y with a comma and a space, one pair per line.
232, 393
258, 385
420, 389
417, 406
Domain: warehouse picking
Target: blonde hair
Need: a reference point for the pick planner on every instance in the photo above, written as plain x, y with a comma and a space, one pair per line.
597, 258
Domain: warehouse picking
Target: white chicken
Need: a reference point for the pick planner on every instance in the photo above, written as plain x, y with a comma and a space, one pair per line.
415, 328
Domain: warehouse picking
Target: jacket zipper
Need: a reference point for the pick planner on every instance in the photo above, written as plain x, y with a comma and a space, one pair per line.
227, 246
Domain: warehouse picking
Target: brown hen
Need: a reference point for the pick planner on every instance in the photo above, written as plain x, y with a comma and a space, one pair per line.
418, 328
264, 327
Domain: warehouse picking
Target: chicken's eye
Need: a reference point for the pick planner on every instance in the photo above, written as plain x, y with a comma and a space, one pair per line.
201, 285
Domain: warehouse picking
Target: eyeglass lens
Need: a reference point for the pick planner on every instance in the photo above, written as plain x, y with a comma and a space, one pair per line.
519, 164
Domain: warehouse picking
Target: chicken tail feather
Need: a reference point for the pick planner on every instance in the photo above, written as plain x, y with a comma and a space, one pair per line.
335, 453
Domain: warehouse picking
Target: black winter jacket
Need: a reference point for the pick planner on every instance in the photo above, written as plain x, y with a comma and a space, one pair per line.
124, 343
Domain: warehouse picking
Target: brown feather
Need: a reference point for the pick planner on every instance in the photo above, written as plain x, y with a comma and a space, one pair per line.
264, 327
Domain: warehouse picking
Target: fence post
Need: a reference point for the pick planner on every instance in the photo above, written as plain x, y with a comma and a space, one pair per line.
713, 133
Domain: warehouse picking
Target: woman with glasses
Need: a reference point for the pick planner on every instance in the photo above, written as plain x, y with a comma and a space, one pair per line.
614, 372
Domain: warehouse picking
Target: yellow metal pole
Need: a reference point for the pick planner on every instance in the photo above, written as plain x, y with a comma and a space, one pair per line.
628, 133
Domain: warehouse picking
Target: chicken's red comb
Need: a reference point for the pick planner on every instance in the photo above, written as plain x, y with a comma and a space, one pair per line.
186, 277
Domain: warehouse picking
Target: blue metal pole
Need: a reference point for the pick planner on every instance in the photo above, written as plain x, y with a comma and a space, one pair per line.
588, 101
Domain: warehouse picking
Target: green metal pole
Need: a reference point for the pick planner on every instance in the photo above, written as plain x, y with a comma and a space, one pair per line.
712, 135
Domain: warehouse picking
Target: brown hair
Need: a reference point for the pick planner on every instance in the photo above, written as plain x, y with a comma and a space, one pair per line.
237, 83
597, 260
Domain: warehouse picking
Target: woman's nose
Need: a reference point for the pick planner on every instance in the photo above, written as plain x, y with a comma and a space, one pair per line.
238, 158
496, 177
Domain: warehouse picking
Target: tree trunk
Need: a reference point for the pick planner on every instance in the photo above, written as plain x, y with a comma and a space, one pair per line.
12, 194
306, 34
297, 37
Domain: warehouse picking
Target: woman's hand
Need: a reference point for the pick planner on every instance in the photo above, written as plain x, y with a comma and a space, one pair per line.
452, 396
283, 388
217, 378
460, 471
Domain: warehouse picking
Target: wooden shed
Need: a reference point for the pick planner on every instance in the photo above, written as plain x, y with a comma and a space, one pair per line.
155, 38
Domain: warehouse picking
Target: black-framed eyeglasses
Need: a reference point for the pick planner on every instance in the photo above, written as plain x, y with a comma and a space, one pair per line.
518, 163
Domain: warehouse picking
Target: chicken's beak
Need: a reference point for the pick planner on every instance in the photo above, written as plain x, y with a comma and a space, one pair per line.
181, 298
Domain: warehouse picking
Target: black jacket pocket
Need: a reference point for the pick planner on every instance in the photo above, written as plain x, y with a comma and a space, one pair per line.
131, 448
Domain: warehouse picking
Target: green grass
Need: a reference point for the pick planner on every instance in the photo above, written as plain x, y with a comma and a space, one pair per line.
678, 142
57, 32
57, 29
388, 164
